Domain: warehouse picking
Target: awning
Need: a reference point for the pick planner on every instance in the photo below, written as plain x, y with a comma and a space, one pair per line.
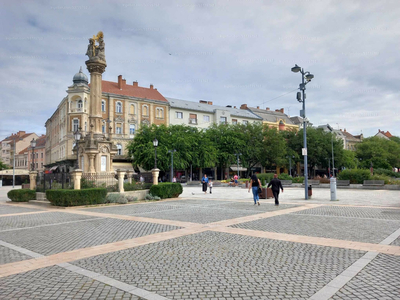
123, 166
17, 172
53, 168
235, 168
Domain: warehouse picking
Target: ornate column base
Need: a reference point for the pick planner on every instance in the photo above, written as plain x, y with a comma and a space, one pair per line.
32, 179
155, 173
121, 175
76, 178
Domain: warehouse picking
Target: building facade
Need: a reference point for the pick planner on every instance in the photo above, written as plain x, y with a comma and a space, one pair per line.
15, 142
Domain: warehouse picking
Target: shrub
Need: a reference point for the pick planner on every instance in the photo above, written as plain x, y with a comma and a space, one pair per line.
21, 195
135, 186
386, 179
76, 197
151, 197
131, 198
355, 175
299, 179
116, 198
285, 176
166, 190
386, 172
266, 176
87, 184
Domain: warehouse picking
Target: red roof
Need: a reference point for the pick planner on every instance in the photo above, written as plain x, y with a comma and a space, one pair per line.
23, 151
132, 91
387, 133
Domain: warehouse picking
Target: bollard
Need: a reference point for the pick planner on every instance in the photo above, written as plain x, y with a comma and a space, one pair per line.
333, 188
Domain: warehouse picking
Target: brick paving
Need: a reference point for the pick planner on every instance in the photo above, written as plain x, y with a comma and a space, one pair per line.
200, 246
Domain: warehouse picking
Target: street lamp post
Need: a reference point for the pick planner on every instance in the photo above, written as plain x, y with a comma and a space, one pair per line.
333, 160
237, 156
33, 145
77, 136
155, 144
305, 78
172, 163
290, 163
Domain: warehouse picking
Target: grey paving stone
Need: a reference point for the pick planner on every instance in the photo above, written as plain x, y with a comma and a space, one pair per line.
353, 212
217, 265
57, 283
380, 279
396, 242
8, 255
351, 229
15, 222
60, 238
10, 209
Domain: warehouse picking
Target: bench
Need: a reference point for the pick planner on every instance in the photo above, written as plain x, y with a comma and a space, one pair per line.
373, 182
286, 182
342, 182
313, 182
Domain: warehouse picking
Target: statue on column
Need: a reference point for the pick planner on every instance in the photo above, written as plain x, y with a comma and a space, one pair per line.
96, 52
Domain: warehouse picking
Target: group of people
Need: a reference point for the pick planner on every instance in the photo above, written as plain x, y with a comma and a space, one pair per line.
255, 186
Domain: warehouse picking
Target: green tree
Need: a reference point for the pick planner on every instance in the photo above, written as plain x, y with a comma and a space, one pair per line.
2, 165
349, 160
252, 149
382, 153
273, 148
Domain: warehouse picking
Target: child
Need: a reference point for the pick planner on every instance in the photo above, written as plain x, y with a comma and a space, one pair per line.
210, 184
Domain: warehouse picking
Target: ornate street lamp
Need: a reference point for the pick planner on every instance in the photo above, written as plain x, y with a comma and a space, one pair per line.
155, 144
77, 136
33, 145
305, 78
237, 157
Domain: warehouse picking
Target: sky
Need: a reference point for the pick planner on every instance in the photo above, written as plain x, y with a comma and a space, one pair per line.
226, 51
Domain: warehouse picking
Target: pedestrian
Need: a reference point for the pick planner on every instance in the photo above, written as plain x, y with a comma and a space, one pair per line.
210, 184
174, 179
275, 185
255, 184
236, 179
204, 181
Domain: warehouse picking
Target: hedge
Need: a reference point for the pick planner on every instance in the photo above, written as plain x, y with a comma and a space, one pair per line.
265, 178
76, 197
166, 190
355, 175
386, 172
21, 195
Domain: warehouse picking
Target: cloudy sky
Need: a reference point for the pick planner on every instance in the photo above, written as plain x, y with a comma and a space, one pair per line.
226, 51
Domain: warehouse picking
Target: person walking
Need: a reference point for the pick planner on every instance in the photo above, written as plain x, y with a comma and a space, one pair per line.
236, 179
254, 185
204, 181
275, 185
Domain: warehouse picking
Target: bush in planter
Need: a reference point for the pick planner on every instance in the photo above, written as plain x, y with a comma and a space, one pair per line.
285, 176
299, 179
386, 172
355, 175
386, 179
166, 190
76, 197
151, 197
21, 195
266, 176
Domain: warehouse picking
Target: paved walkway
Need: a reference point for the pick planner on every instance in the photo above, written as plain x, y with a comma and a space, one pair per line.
205, 246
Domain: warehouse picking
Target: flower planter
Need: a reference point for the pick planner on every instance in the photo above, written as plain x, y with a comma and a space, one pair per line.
266, 193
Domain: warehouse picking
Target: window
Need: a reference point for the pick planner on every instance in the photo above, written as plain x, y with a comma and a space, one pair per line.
132, 129
234, 121
222, 120
85, 126
119, 107
37, 155
41, 165
103, 167
192, 119
75, 125
160, 113
118, 129
179, 115
103, 128
245, 122
103, 106
79, 104
206, 119
119, 147
132, 109
145, 110
41, 155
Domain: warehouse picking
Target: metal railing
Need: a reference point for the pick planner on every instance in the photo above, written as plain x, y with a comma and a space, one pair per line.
94, 180
53, 181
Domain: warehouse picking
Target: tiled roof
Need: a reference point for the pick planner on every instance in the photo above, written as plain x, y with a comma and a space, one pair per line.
23, 151
196, 106
271, 116
132, 91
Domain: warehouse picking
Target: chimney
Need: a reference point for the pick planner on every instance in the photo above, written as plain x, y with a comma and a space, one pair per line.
345, 130
243, 106
203, 101
151, 86
267, 108
234, 107
209, 103
120, 82
282, 110
123, 83
258, 107
135, 84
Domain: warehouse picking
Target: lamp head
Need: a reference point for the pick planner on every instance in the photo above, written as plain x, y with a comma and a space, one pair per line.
309, 77
33, 143
296, 69
77, 135
155, 142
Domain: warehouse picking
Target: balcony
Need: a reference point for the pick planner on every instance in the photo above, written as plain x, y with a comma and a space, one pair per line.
75, 110
193, 121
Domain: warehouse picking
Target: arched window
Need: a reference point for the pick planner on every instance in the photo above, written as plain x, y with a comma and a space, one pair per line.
160, 113
103, 106
132, 109
145, 110
79, 104
119, 107
119, 147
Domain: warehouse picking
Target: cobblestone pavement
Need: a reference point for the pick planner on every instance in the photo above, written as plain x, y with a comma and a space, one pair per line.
217, 246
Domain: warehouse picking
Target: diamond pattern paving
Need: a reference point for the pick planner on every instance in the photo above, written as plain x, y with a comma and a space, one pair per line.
60, 238
57, 283
9, 209
380, 279
213, 265
354, 212
15, 222
8, 255
361, 230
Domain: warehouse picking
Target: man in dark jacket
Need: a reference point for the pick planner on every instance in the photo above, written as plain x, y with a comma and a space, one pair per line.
275, 185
